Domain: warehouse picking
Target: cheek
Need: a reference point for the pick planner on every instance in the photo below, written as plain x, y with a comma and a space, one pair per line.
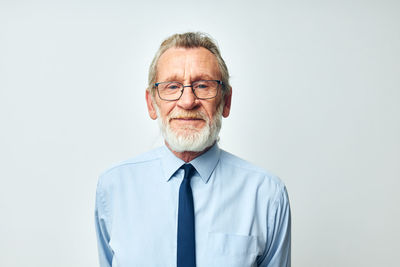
165, 109
211, 110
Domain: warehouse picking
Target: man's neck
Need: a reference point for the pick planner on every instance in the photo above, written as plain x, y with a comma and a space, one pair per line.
187, 156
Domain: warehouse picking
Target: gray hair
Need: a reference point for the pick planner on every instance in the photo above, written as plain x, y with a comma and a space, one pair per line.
189, 40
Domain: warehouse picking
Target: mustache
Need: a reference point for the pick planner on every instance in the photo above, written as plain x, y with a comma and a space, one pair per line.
184, 114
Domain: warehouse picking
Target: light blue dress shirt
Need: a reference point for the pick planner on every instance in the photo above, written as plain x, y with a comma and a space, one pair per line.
242, 214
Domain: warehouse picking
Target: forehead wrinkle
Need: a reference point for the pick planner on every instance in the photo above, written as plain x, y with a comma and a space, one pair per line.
190, 67
202, 71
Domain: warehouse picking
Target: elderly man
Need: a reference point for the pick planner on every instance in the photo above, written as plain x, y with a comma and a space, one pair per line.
189, 203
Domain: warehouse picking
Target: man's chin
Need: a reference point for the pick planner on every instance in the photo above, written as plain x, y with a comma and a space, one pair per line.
186, 133
192, 140
187, 123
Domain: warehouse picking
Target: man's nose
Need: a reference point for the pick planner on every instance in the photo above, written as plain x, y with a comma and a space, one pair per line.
188, 100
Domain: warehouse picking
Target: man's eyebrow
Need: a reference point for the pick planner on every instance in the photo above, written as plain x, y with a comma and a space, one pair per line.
175, 78
203, 77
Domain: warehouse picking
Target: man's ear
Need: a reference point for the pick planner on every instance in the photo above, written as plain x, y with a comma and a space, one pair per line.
227, 103
150, 106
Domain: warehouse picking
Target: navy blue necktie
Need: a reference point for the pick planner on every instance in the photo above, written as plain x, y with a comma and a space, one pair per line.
186, 251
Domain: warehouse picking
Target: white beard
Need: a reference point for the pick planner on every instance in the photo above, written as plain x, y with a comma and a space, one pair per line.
189, 138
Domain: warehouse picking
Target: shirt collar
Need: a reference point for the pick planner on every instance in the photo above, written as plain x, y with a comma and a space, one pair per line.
204, 164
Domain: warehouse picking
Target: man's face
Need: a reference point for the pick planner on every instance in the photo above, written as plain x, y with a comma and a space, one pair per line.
189, 119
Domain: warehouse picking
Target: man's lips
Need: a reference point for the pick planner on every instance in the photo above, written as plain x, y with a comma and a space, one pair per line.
187, 119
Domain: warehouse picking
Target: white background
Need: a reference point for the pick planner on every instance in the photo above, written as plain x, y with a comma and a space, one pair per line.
316, 91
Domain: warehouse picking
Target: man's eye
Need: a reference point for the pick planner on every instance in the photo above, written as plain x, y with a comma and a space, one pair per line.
201, 86
173, 86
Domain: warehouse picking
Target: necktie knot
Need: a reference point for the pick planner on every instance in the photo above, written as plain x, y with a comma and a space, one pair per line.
189, 170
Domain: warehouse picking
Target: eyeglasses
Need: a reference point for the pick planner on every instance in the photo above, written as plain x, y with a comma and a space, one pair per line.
204, 89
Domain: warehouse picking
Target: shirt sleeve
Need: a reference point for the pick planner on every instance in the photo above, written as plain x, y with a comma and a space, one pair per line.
277, 252
102, 231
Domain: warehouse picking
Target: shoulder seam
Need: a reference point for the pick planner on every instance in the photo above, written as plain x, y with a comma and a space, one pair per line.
129, 163
256, 169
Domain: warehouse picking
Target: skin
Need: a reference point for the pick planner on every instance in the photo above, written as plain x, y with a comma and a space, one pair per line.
187, 65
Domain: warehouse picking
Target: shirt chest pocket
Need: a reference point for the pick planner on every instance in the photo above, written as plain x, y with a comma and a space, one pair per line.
231, 250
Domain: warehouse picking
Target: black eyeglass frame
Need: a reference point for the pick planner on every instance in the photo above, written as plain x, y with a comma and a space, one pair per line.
220, 83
